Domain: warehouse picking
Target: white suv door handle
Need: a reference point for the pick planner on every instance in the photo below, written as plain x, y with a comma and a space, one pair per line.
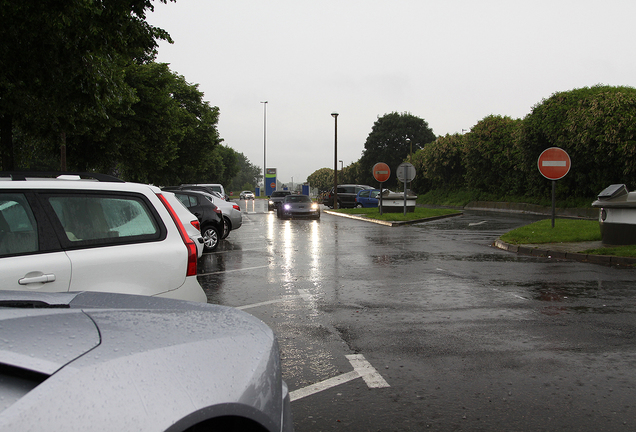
37, 279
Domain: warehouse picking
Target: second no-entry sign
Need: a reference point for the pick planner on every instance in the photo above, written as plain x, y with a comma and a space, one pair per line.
381, 172
554, 163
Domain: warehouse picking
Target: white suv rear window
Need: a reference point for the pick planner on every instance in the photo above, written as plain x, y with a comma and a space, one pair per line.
99, 217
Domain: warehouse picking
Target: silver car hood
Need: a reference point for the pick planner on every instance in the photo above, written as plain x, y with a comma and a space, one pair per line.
71, 364
68, 334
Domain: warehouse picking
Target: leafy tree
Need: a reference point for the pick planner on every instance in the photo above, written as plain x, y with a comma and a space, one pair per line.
190, 140
349, 174
247, 176
596, 126
168, 136
390, 141
491, 158
225, 172
62, 62
439, 164
321, 179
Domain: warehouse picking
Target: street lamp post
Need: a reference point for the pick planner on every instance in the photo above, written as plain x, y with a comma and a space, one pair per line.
264, 146
335, 162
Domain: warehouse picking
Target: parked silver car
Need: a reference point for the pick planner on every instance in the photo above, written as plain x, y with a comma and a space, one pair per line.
115, 362
231, 212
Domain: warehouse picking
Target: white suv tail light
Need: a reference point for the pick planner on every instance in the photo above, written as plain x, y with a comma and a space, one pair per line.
192, 248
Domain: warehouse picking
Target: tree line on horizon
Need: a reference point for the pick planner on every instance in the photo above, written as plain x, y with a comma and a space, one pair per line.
499, 155
80, 90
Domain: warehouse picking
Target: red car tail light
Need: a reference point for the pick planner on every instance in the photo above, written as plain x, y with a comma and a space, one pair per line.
236, 207
192, 248
217, 210
196, 224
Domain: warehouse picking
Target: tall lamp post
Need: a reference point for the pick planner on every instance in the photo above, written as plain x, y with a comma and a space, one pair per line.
335, 162
264, 146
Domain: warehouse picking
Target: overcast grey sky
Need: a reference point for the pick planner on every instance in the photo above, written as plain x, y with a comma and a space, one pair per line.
450, 62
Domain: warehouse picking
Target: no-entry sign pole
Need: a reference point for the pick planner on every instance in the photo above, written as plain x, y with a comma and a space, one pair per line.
381, 172
554, 163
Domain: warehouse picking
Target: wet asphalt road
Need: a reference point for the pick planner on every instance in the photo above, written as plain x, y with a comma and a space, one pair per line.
456, 334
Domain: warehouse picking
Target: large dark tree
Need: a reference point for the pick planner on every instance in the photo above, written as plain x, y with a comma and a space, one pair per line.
439, 164
596, 126
491, 160
391, 140
62, 62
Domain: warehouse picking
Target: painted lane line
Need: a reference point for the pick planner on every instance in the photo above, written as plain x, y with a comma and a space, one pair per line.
323, 385
510, 293
361, 369
265, 303
367, 372
232, 271
305, 295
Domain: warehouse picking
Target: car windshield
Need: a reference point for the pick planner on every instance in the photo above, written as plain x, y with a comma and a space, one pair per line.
297, 198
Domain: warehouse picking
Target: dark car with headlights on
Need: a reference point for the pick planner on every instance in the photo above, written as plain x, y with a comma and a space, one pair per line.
276, 199
87, 361
298, 206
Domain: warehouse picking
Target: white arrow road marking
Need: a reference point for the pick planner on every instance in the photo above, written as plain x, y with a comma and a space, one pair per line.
477, 223
361, 369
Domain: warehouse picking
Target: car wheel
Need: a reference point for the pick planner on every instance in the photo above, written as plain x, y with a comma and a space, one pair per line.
227, 227
211, 238
358, 205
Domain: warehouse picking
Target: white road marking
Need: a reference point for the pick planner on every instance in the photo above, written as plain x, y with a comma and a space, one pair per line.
305, 295
367, 372
509, 293
361, 369
477, 223
232, 271
265, 303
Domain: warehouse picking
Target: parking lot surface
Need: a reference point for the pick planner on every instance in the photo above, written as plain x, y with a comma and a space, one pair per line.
429, 327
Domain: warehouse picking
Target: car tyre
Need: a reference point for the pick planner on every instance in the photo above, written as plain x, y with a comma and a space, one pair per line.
211, 238
227, 227
358, 205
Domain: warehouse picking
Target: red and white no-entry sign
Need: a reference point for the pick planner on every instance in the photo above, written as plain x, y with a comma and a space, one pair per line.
381, 172
554, 163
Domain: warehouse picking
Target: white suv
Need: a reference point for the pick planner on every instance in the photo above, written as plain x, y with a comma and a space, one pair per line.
73, 234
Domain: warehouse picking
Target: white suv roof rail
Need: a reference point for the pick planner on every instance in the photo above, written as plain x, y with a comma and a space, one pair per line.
61, 175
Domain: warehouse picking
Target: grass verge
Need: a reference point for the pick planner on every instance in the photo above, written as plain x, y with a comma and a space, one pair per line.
622, 251
565, 230
419, 213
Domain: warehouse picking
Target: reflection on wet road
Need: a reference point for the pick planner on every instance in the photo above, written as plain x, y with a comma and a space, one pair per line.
466, 335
